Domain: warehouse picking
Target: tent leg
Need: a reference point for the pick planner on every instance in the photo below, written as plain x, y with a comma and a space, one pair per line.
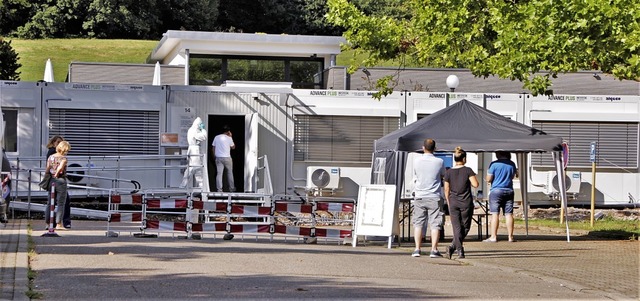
557, 158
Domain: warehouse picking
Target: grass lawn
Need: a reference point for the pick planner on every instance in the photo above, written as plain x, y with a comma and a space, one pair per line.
605, 228
33, 54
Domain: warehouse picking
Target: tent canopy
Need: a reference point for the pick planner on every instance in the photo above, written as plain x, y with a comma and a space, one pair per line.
474, 128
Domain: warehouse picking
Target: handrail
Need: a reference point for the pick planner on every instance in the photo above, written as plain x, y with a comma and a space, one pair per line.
114, 164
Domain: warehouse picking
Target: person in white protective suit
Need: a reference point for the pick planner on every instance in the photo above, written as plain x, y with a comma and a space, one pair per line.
195, 135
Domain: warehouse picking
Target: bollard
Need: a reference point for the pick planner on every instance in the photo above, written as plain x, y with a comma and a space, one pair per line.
51, 232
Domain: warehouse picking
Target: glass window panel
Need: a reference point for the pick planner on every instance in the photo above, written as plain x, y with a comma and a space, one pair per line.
306, 74
205, 71
215, 69
256, 70
11, 130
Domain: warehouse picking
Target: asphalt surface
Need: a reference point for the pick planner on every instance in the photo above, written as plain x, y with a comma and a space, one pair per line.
85, 264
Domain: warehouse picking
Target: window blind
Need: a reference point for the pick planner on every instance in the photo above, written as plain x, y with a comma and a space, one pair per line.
617, 143
339, 138
107, 132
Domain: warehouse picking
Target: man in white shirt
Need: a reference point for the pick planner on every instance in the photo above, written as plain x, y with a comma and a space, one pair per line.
221, 148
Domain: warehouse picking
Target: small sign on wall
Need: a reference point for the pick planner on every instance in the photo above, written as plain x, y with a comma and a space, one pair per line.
169, 139
592, 152
180, 121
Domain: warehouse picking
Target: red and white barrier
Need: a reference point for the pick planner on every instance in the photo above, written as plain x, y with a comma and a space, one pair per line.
237, 218
292, 207
290, 230
248, 228
130, 199
209, 227
166, 225
250, 211
332, 233
126, 217
167, 203
210, 206
334, 207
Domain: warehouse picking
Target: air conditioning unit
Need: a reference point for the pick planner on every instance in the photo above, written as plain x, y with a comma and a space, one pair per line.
76, 174
77, 171
323, 177
572, 180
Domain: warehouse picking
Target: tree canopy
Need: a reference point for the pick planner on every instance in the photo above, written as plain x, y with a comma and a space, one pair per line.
149, 19
526, 40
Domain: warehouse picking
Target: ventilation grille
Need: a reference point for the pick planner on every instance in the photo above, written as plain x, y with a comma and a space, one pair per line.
617, 143
339, 138
107, 132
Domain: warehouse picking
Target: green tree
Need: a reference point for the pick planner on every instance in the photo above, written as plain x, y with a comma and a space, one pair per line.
198, 15
313, 15
8, 62
13, 14
274, 16
122, 19
268, 16
55, 19
526, 40
396, 9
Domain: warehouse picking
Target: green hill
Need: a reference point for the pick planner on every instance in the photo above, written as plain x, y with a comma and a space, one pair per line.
33, 54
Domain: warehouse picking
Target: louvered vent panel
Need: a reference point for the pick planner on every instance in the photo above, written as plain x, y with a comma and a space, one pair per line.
107, 132
339, 138
617, 143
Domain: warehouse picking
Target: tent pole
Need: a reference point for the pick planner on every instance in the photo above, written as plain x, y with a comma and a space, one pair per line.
524, 186
557, 158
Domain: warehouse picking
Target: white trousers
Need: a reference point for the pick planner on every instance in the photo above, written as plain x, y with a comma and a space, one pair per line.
194, 168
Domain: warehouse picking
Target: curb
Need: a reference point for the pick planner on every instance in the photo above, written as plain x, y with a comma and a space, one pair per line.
21, 282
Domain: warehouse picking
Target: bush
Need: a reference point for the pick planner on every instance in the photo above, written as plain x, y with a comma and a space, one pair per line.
8, 62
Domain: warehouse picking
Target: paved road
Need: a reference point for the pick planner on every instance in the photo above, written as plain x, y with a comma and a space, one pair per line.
84, 264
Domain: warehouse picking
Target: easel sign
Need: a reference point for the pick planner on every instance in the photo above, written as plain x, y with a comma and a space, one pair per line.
376, 211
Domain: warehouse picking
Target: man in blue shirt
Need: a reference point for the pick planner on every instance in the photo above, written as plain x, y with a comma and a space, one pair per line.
500, 176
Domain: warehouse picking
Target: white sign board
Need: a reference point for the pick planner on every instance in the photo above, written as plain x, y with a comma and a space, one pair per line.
376, 213
181, 120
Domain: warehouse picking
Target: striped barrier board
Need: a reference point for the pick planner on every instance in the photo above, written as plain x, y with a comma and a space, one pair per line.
166, 225
210, 206
125, 217
334, 207
288, 207
332, 233
289, 230
209, 227
250, 228
251, 211
128, 199
167, 204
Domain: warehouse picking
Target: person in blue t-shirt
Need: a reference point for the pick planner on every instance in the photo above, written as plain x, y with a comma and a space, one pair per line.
500, 176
